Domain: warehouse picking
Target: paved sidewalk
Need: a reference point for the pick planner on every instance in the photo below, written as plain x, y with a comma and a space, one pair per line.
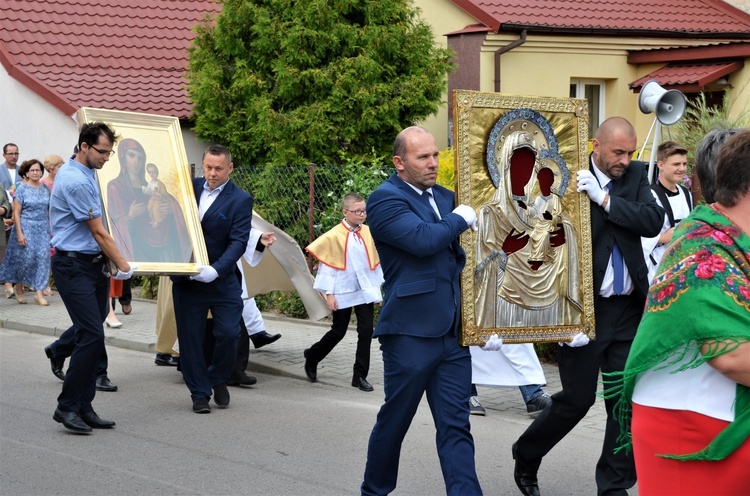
283, 357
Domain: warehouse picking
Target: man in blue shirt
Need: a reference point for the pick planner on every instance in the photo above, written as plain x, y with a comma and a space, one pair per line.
82, 246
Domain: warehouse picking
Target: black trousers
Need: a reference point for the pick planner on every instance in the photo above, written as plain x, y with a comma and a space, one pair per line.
617, 320
84, 289
243, 347
322, 348
66, 343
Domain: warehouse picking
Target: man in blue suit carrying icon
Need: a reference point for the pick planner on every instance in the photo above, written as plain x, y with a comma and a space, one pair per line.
225, 212
416, 229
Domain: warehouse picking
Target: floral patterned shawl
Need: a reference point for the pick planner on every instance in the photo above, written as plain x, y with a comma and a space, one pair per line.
701, 295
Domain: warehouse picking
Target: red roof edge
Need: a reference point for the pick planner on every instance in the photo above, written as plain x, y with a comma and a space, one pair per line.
16, 72
691, 54
478, 14
471, 28
697, 84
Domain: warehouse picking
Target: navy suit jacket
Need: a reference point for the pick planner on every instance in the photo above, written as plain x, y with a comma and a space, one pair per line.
421, 258
226, 229
633, 213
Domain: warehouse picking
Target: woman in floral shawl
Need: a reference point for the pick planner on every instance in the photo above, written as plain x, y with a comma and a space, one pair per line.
686, 384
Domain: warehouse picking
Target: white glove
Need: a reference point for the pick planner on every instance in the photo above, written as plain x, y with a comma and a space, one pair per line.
121, 276
588, 183
493, 344
578, 340
469, 215
207, 274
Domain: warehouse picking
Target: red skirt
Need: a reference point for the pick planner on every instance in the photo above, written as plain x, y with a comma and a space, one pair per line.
679, 432
115, 288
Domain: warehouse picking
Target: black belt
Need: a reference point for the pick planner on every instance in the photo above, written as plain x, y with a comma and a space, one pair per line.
88, 257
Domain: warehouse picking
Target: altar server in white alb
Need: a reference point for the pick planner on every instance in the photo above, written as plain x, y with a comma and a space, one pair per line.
350, 276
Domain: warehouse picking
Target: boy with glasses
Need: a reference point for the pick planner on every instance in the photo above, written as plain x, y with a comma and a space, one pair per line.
350, 276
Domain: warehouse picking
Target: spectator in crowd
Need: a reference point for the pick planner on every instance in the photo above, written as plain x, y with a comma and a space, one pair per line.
6, 216
706, 154
350, 276
115, 291
52, 164
9, 176
687, 379
27, 259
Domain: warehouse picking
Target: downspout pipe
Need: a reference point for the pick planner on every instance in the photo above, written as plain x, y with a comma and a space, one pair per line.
507, 48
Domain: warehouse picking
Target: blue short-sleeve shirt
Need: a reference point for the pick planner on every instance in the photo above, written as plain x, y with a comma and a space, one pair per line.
75, 199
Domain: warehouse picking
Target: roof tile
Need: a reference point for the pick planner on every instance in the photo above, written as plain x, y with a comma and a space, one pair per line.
130, 56
687, 17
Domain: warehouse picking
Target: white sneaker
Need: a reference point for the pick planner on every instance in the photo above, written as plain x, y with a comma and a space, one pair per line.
475, 407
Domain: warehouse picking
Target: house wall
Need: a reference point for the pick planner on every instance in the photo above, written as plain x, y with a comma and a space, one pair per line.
39, 129
545, 65
740, 92
33, 124
444, 17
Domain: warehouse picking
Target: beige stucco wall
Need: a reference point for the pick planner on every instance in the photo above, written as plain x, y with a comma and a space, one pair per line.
739, 96
545, 65
444, 17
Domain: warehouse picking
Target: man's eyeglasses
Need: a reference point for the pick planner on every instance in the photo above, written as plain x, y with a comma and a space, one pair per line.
15, 154
356, 212
109, 153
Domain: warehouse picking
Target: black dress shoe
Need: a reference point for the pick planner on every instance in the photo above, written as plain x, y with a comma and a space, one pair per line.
94, 421
56, 364
311, 368
166, 360
72, 421
362, 384
200, 405
241, 379
525, 475
221, 395
261, 339
104, 384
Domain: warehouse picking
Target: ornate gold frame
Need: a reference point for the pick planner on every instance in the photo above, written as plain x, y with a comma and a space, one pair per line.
161, 138
557, 130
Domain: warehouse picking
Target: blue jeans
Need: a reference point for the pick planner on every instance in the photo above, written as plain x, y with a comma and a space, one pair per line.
529, 392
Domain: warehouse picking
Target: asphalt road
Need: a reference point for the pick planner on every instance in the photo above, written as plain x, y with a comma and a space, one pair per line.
284, 436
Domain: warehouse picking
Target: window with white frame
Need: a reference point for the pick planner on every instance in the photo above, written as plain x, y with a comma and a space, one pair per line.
593, 91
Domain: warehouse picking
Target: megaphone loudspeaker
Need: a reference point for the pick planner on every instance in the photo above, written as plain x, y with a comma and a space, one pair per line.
668, 105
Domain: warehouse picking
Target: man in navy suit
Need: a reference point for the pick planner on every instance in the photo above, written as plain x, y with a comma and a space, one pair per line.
622, 211
416, 230
225, 212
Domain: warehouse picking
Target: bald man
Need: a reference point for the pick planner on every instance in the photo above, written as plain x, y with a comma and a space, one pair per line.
622, 211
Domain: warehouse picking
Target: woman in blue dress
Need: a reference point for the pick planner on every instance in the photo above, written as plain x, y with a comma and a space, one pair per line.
27, 259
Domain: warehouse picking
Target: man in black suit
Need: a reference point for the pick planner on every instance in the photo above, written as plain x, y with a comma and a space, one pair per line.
622, 211
225, 213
